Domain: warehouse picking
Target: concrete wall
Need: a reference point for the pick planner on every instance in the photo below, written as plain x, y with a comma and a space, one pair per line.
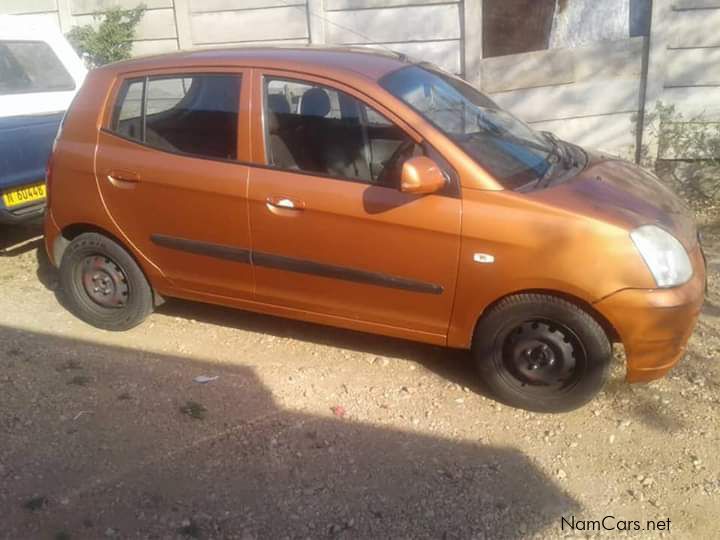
428, 29
157, 31
588, 94
692, 61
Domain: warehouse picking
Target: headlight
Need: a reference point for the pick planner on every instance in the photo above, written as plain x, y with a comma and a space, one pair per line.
665, 256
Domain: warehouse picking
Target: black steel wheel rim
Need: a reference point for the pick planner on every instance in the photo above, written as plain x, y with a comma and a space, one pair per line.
542, 356
104, 282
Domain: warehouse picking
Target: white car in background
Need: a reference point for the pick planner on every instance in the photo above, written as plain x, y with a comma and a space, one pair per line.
39, 75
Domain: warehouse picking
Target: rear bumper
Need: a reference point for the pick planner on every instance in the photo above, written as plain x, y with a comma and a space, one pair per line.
51, 233
21, 215
655, 324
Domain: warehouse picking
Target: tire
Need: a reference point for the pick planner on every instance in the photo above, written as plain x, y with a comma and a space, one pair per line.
103, 285
541, 353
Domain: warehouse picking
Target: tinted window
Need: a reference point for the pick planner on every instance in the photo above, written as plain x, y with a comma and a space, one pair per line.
189, 114
31, 66
321, 130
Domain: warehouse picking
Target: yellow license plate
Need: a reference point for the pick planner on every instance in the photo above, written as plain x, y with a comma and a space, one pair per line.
24, 195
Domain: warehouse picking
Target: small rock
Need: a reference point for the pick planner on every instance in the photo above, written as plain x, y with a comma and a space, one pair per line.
561, 474
383, 362
338, 410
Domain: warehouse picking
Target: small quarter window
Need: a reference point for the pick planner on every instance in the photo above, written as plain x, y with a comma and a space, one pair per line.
318, 129
188, 114
31, 66
127, 116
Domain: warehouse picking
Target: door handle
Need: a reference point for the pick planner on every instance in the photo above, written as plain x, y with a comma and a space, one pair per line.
120, 175
284, 203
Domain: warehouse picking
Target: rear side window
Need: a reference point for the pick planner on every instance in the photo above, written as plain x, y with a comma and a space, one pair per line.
31, 66
187, 114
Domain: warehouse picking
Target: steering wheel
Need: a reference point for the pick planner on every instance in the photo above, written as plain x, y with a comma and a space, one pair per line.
391, 164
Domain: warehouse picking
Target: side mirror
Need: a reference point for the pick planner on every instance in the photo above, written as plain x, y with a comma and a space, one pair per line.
421, 175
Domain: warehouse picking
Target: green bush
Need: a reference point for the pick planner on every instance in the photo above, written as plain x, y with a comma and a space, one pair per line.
688, 154
111, 40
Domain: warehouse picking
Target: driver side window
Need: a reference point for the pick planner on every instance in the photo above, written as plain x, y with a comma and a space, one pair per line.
317, 129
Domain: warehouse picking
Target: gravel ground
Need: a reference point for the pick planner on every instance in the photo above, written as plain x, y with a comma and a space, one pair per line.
314, 432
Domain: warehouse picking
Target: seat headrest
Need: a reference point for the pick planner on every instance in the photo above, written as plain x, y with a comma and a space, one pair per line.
315, 102
278, 103
273, 124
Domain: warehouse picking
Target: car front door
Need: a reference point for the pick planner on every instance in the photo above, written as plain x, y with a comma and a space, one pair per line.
169, 165
331, 233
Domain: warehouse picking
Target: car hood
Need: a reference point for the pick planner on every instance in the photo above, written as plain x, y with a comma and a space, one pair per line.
623, 193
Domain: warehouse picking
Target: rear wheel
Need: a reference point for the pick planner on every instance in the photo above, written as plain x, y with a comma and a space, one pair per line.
541, 353
103, 285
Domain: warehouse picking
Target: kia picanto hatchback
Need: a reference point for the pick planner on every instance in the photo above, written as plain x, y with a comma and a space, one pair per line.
366, 191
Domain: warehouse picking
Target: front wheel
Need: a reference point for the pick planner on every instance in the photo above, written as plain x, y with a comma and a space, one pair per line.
103, 285
541, 353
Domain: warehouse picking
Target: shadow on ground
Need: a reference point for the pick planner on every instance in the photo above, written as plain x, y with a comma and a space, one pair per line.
452, 364
18, 239
94, 443
709, 308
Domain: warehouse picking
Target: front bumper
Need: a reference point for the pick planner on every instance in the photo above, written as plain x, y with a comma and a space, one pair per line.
655, 325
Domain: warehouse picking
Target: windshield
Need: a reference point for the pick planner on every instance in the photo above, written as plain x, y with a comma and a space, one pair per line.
507, 147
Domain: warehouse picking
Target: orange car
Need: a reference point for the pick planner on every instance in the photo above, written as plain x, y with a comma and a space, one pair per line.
367, 191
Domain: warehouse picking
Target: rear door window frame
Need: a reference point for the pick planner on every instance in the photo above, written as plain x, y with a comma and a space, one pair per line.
243, 150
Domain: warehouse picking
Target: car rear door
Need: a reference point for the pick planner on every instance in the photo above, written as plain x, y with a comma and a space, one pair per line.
328, 237
170, 168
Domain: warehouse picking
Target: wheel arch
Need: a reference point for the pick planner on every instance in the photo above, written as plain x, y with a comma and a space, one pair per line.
610, 331
70, 232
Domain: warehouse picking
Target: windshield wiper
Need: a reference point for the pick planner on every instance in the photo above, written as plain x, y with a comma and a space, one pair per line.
560, 149
553, 160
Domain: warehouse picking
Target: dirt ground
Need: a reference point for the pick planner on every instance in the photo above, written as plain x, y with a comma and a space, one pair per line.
314, 432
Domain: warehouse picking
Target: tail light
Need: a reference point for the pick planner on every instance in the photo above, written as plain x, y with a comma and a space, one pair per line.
49, 171
49, 164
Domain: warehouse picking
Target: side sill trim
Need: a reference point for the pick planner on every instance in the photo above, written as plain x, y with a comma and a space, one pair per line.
344, 273
301, 266
218, 251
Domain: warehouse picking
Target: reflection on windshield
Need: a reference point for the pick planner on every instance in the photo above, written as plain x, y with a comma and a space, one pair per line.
510, 149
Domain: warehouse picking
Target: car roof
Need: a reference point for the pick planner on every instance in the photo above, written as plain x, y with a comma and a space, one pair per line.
367, 62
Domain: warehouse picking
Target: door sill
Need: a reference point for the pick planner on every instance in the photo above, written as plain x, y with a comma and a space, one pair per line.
308, 316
